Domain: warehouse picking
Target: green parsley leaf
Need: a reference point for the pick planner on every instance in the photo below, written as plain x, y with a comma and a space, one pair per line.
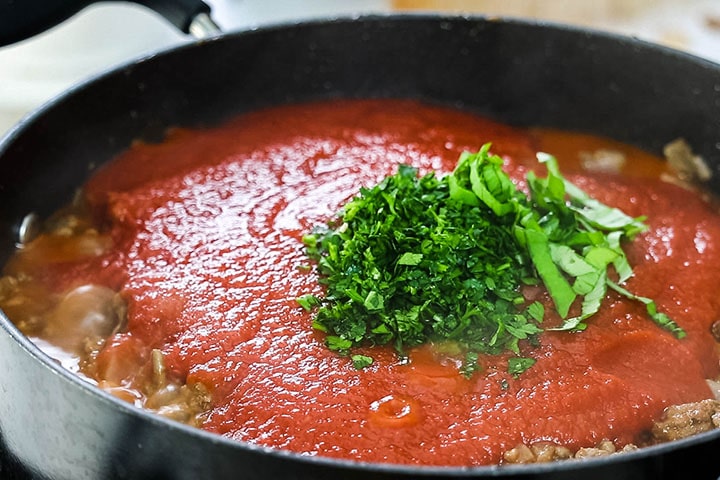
518, 365
361, 361
470, 365
308, 302
338, 344
410, 259
537, 311
374, 302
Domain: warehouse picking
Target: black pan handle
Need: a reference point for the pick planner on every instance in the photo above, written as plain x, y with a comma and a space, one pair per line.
21, 19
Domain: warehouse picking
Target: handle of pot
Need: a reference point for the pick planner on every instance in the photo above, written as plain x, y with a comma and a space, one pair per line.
21, 19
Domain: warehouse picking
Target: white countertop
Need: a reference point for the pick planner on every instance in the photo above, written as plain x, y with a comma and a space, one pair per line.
108, 34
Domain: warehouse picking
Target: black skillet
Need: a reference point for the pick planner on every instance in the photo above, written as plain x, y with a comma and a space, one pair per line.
54, 426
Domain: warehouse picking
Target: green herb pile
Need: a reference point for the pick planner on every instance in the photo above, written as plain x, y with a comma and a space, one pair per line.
427, 259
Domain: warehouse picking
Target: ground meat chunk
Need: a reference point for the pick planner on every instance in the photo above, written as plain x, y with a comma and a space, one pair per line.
715, 330
548, 452
686, 165
680, 421
605, 447
537, 453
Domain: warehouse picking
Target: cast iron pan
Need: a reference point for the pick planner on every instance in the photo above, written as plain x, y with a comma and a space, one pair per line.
54, 426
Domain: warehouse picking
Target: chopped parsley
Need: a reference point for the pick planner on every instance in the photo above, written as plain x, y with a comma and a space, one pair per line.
427, 259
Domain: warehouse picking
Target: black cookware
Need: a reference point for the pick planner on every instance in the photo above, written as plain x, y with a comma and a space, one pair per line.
54, 426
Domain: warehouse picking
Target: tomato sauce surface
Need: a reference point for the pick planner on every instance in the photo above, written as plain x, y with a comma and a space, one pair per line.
207, 253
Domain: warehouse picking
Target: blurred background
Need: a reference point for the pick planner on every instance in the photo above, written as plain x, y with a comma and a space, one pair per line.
110, 33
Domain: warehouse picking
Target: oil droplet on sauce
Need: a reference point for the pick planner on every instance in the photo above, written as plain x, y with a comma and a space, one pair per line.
395, 411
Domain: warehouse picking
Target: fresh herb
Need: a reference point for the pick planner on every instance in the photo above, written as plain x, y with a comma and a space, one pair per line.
361, 361
308, 302
517, 365
471, 364
418, 259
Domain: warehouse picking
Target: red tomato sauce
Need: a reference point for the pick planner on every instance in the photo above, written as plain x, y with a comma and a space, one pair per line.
207, 230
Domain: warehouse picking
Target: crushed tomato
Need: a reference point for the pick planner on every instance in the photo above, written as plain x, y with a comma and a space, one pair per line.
207, 254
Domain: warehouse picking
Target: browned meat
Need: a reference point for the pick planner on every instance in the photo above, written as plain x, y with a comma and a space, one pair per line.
682, 421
